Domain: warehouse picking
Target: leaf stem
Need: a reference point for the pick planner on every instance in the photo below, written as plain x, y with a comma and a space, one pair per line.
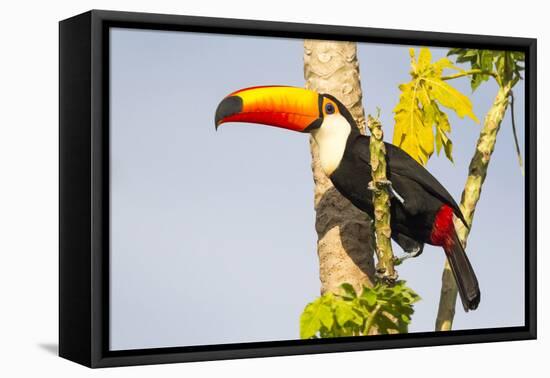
370, 320
470, 72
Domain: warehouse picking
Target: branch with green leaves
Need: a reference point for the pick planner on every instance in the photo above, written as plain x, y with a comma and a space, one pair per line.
503, 66
506, 68
420, 122
381, 308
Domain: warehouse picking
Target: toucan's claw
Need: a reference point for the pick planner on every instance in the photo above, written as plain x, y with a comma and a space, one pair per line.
398, 260
415, 252
387, 183
395, 194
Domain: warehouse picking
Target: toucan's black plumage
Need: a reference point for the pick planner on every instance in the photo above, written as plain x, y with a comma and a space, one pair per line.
422, 209
425, 205
423, 195
414, 219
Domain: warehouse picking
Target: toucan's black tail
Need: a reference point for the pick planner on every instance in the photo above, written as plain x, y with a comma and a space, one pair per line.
465, 278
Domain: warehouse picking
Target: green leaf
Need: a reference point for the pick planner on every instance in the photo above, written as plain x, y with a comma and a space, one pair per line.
344, 313
336, 316
385, 325
486, 60
325, 315
349, 290
476, 81
310, 323
505, 64
369, 296
455, 51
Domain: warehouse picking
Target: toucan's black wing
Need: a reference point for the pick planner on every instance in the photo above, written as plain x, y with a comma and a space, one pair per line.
402, 164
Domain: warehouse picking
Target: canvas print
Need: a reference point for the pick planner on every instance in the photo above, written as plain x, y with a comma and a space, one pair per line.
266, 189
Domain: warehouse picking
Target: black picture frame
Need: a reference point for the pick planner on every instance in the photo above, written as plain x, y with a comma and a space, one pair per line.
84, 188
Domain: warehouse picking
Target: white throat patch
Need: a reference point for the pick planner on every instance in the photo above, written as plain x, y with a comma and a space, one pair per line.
331, 138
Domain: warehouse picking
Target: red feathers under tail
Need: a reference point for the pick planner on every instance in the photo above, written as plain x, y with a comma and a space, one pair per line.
444, 235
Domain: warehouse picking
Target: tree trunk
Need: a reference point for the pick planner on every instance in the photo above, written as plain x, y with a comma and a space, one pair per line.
470, 196
345, 234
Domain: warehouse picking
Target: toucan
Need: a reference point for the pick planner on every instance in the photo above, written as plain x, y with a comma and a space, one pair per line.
422, 210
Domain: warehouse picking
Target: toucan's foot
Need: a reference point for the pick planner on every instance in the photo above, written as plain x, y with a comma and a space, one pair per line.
387, 183
385, 278
415, 252
371, 186
398, 260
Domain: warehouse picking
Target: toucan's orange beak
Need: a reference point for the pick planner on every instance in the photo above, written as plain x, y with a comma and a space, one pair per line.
290, 108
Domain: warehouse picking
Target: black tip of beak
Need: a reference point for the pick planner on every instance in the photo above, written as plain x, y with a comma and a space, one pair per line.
229, 106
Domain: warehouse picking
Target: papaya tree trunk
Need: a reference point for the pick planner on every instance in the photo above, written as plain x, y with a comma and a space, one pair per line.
345, 243
477, 172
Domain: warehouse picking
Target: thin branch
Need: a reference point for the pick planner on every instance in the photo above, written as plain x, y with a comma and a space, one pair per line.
514, 130
477, 172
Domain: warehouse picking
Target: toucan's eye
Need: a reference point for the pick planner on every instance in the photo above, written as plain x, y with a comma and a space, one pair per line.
329, 108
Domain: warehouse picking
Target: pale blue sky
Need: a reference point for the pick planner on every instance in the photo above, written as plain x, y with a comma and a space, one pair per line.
212, 233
